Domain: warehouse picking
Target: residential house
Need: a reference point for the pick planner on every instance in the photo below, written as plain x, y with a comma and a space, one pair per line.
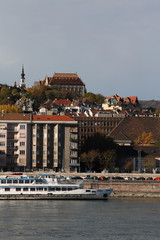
116, 102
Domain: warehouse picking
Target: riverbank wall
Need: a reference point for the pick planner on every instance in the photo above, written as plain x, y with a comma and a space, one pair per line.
146, 189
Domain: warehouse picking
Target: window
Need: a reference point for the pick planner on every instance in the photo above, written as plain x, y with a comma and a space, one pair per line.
22, 152
22, 143
18, 189
2, 143
22, 126
7, 189
9, 181
22, 135
25, 189
2, 127
15, 181
3, 181
2, 135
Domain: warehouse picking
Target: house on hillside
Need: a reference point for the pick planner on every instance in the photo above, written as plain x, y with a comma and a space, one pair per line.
116, 102
65, 81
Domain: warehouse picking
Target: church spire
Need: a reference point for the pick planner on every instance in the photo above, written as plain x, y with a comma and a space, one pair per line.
22, 80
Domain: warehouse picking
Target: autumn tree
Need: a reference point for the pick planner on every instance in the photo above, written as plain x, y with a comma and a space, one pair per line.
9, 109
149, 162
128, 166
146, 138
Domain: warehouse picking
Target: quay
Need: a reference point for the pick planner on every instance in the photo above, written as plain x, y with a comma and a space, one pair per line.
125, 188
121, 188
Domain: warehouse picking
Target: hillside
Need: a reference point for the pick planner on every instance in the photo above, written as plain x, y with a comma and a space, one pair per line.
150, 103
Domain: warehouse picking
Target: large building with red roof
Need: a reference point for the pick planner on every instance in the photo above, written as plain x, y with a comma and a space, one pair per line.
38, 142
67, 81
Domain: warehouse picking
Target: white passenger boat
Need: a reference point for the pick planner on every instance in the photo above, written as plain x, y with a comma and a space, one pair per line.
40, 188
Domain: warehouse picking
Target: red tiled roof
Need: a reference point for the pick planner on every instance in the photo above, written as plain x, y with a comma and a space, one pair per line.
62, 101
131, 99
51, 118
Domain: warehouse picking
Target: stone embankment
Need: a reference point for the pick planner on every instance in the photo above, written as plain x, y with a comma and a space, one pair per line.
121, 188
129, 188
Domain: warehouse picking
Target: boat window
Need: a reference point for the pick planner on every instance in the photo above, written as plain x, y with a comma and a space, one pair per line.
3, 181
7, 189
45, 189
20, 181
40, 189
51, 189
18, 189
88, 190
32, 189
25, 189
93, 191
58, 189
26, 181
64, 189
70, 189
15, 181
9, 181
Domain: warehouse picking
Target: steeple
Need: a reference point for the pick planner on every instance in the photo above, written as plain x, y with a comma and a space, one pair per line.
22, 80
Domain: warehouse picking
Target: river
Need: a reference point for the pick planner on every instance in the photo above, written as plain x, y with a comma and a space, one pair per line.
116, 219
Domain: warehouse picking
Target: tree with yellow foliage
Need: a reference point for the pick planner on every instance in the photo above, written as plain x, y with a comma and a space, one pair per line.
146, 138
9, 109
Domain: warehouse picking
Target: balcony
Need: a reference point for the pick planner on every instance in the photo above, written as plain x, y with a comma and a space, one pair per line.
12, 147
74, 164
73, 138
74, 148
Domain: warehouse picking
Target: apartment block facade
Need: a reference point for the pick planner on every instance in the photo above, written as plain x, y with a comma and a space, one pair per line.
38, 142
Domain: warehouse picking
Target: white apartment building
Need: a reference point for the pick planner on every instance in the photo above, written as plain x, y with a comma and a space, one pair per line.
38, 142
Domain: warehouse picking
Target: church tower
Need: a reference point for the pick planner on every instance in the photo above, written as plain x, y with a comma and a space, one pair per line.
22, 80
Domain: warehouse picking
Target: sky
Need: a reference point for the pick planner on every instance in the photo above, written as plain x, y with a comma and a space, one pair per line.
113, 45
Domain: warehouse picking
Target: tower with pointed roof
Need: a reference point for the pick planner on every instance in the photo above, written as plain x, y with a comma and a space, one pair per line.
22, 80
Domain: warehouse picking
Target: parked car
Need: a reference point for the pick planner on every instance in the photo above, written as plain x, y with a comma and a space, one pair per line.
149, 178
141, 178
102, 178
118, 178
157, 179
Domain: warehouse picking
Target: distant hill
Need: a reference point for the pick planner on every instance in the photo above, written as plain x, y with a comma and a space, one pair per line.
150, 103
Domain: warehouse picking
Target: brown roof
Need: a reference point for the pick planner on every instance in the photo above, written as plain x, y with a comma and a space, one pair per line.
15, 116
132, 127
65, 79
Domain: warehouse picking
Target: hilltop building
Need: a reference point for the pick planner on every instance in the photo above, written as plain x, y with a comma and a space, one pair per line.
67, 81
